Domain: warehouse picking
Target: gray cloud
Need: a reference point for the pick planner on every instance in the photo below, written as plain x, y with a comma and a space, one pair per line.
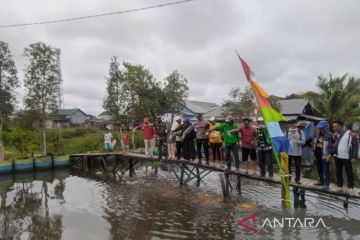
288, 44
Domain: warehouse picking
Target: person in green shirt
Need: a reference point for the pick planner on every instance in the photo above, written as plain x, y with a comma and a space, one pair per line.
230, 141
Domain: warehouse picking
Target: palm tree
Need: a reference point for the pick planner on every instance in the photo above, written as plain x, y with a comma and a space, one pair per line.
338, 98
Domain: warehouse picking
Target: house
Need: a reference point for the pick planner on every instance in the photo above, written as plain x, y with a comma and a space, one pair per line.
65, 118
105, 116
103, 121
299, 109
192, 108
217, 112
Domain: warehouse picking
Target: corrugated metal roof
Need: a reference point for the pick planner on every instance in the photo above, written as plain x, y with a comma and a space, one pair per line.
66, 112
302, 116
217, 112
199, 107
293, 106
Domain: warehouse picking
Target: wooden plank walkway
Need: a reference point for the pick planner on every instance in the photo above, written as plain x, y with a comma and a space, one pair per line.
306, 183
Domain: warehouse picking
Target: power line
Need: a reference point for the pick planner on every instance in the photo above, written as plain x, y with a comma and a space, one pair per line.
96, 15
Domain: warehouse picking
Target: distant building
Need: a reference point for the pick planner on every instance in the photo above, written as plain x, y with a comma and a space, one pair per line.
105, 116
217, 112
65, 118
103, 121
292, 107
299, 109
192, 108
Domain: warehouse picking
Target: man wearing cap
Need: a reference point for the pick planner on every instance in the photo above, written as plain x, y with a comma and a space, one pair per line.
296, 138
201, 128
149, 136
231, 139
188, 136
322, 149
215, 140
264, 148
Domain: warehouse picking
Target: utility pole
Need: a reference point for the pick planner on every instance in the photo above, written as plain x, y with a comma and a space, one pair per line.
1, 116
0, 75
1, 103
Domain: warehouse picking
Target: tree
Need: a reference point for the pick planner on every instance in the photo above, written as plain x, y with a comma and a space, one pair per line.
338, 98
116, 100
144, 90
176, 92
241, 103
132, 92
8, 83
42, 82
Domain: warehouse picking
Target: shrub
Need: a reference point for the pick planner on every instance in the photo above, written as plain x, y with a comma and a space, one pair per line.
23, 140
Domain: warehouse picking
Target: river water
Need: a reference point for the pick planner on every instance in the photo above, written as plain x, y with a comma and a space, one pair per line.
70, 204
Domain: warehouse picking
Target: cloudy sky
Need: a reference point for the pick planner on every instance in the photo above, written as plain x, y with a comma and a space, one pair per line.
287, 43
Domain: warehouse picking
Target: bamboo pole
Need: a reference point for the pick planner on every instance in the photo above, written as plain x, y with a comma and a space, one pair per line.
285, 195
282, 163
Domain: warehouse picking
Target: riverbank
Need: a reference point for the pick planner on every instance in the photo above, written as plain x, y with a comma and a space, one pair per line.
64, 141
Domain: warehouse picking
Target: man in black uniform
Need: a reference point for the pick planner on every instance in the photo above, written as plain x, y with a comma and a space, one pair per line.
161, 135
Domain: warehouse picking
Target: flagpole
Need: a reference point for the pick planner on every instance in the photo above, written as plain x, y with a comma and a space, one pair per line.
283, 161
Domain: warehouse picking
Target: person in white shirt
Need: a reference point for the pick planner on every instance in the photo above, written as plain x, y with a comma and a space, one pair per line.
346, 149
296, 138
107, 140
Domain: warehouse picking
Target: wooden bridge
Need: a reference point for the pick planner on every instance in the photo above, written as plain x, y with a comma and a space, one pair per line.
186, 171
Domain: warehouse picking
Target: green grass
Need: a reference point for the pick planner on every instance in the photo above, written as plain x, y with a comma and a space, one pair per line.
72, 140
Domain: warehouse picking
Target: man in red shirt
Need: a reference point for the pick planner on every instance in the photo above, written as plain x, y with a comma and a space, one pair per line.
149, 136
247, 133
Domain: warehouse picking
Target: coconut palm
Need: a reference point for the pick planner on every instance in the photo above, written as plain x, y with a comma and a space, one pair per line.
338, 98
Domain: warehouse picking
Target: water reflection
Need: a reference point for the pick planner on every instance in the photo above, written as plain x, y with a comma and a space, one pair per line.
25, 212
151, 205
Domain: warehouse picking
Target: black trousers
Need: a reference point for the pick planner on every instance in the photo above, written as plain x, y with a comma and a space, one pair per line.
297, 161
189, 149
234, 150
179, 146
266, 161
323, 168
205, 144
216, 151
162, 148
346, 163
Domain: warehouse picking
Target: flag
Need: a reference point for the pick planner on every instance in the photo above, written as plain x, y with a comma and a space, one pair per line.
271, 117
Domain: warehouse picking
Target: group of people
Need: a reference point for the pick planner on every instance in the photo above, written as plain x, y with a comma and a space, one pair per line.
341, 146
208, 140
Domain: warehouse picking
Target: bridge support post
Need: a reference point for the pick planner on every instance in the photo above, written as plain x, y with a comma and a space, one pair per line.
238, 185
92, 163
227, 184
131, 168
182, 169
198, 177
85, 163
